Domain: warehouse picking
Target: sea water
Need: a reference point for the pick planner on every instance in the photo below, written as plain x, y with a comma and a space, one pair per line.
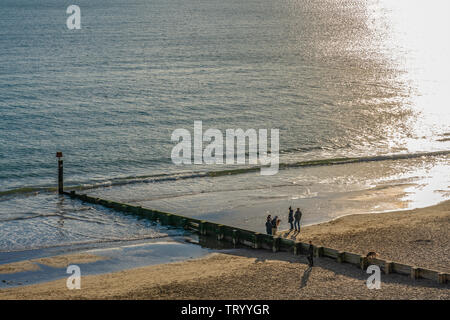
338, 79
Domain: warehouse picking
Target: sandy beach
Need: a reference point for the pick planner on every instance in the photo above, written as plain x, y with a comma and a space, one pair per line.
419, 237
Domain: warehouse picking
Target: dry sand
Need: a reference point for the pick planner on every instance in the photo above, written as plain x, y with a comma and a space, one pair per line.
418, 236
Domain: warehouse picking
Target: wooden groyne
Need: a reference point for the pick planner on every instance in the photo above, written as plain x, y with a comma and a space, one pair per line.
251, 239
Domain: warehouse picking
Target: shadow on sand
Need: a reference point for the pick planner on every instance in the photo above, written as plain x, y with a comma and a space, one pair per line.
305, 277
289, 234
345, 269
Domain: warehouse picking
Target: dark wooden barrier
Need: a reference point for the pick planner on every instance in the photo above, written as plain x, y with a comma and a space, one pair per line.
237, 236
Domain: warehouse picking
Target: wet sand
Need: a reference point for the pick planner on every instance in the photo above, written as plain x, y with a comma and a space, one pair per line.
418, 236
60, 261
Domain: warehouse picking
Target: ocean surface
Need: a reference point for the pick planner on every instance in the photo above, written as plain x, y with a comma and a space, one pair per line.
344, 78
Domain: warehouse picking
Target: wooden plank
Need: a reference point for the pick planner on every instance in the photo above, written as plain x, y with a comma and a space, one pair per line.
428, 274
286, 244
352, 258
246, 243
378, 262
401, 268
330, 253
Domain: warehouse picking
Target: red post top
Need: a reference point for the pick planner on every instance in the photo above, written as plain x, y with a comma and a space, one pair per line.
59, 154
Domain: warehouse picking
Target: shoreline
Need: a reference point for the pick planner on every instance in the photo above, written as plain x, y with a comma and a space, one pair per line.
120, 181
259, 274
96, 261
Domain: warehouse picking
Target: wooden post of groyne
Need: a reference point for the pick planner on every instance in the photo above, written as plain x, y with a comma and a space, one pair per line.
59, 155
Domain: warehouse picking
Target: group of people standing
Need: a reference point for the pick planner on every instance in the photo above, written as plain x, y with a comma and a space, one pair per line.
293, 219
272, 224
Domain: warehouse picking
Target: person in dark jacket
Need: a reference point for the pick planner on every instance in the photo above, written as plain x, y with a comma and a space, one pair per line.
298, 217
310, 254
269, 224
291, 218
275, 224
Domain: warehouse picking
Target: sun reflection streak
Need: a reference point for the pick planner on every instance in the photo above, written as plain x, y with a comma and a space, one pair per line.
414, 34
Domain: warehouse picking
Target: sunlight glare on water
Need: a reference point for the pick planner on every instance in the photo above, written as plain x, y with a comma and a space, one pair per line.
416, 38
